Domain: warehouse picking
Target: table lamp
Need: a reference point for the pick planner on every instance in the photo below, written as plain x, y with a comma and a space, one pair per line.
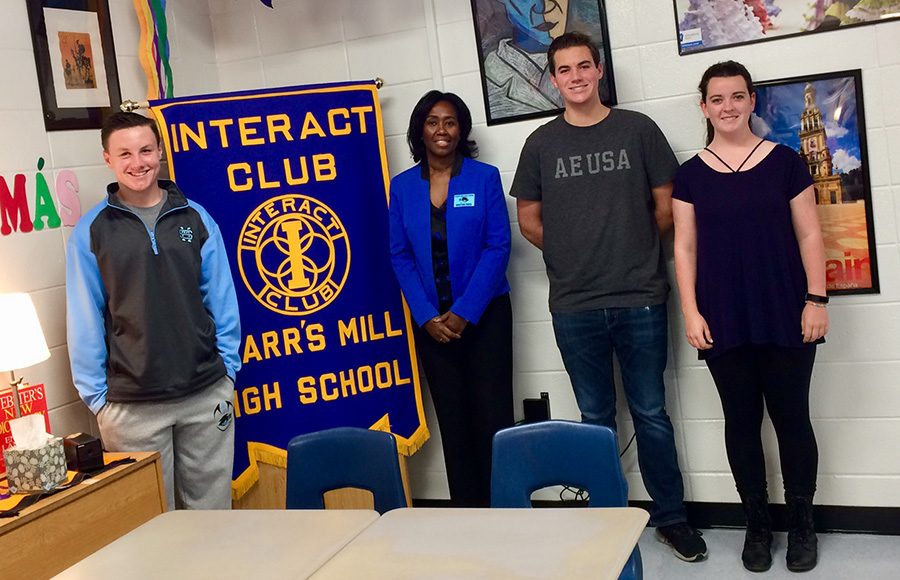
22, 342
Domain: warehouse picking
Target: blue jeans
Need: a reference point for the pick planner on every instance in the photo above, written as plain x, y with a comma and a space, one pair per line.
638, 336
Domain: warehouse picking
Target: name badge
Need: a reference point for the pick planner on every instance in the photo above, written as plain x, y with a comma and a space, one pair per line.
464, 200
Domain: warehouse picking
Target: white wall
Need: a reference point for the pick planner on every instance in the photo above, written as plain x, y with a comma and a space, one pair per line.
416, 45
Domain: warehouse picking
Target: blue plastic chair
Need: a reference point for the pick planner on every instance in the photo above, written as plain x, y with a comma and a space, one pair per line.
530, 457
343, 457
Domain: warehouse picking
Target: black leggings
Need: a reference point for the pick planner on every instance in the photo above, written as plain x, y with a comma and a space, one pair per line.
746, 376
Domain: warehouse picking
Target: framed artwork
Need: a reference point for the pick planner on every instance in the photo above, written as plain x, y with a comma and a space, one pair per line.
76, 62
711, 24
513, 37
822, 118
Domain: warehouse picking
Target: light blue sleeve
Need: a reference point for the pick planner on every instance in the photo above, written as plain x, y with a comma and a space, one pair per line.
219, 296
85, 309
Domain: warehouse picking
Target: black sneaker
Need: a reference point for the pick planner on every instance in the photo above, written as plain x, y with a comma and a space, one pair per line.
686, 541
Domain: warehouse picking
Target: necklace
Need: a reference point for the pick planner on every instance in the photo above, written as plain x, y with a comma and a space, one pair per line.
744, 162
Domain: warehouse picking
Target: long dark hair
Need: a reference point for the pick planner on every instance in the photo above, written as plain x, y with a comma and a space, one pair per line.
728, 68
466, 147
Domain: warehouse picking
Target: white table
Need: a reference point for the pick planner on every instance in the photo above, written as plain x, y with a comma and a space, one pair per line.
422, 543
240, 544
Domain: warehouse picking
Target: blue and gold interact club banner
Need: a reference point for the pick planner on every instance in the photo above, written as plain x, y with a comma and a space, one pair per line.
297, 180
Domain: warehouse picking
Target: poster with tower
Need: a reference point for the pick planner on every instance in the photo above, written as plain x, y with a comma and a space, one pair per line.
822, 118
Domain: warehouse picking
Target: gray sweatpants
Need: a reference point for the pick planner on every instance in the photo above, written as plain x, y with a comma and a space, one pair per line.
194, 436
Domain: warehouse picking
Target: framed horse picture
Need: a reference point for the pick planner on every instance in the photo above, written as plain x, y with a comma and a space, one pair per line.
76, 62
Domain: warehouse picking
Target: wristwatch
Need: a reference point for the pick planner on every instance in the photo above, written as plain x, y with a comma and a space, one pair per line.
816, 300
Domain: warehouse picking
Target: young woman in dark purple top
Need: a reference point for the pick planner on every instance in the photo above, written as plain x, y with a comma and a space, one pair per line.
750, 265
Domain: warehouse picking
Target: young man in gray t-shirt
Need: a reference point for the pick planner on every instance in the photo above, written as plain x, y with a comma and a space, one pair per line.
594, 192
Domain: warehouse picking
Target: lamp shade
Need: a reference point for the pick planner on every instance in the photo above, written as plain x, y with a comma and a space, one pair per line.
22, 342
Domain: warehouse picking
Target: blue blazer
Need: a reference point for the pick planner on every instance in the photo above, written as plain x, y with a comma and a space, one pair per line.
478, 240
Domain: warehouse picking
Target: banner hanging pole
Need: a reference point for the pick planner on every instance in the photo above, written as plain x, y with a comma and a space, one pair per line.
130, 105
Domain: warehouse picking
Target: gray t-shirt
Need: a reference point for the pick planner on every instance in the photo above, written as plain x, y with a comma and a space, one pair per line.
148, 215
601, 242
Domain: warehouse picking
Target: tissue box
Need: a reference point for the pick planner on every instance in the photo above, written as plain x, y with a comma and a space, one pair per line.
41, 469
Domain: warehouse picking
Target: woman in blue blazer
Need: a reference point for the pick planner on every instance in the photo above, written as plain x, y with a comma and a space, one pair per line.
449, 247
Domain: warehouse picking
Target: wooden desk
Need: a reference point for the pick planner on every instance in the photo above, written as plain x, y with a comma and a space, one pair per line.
547, 543
240, 544
62, 529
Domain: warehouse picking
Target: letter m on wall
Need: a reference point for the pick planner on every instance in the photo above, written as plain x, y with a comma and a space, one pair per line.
14, 207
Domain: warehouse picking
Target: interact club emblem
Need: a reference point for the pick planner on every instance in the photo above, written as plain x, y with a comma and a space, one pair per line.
294, 254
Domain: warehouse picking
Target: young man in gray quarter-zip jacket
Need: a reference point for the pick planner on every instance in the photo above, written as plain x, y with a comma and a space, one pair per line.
153, 327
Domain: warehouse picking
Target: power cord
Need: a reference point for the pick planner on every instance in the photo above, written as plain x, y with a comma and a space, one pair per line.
630, 441
578, 494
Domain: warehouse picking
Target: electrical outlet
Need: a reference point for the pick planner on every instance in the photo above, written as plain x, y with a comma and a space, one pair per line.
536, 410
